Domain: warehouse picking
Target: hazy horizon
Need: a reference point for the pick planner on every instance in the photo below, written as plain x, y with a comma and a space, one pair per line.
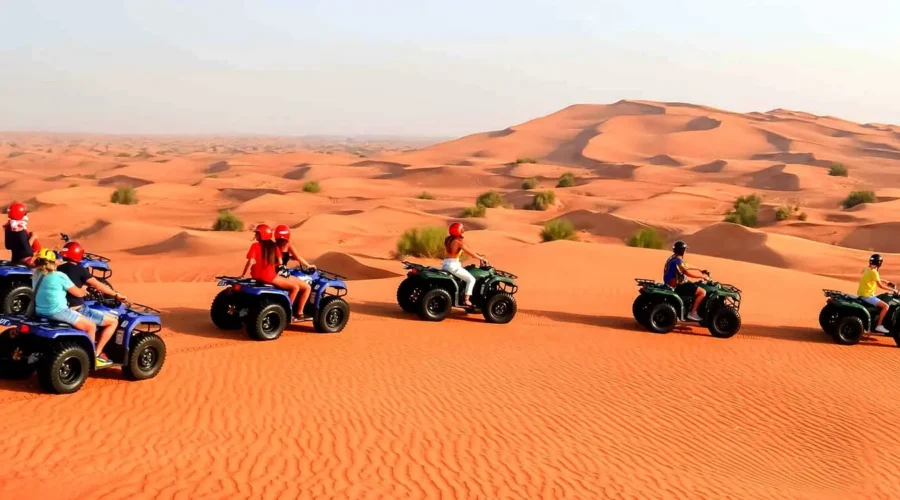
422, 69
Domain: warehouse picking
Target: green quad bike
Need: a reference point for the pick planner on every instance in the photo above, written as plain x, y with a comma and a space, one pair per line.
431, 292
847, 318
658, 307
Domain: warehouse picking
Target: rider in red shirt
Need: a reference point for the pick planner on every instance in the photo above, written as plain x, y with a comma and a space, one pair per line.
263, 260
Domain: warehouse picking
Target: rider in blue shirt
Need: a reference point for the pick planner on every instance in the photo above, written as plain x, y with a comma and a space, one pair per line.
674, 275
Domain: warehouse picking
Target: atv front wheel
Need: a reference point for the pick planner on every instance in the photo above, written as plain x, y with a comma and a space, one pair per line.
332, 316
640, 309
500, 308
266, 321
65, 369
724, 322
849, 330
409, 294
435, 305
224, 311
662, 318
148, 354
828, 318
18, 299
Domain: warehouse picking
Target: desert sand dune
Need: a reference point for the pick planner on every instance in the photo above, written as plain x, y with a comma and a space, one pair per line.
572, 400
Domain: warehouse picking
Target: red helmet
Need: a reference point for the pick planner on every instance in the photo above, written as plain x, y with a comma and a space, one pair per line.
456, 229
263, 232
72, 251
17, 211
282, 232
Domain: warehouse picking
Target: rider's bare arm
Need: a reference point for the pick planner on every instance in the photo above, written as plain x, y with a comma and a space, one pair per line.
886, 285
246, 267
471, 252
98, 285
77, 291
296, 256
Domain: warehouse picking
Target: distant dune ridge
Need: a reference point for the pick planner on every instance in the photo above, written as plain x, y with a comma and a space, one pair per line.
397, 408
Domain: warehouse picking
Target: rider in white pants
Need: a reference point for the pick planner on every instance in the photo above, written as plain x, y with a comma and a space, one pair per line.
455, 246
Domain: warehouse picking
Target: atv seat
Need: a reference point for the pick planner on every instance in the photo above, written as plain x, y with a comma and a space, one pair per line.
9, 263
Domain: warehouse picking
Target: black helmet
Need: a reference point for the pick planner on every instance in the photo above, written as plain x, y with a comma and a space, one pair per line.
876, 260
679, 247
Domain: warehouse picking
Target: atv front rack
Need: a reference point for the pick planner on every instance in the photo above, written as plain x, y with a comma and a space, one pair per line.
142, 309
729, 288
505, 274
330, 275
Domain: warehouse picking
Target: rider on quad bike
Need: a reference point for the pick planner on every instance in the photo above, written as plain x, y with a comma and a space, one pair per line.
263, 260
18, 239
454, 246
869, 283
288, 252
72, 254
674, 274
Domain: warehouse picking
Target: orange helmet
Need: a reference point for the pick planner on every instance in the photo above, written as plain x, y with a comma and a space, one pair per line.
282, 232
73, 251
263, 232
456, 229
17, 211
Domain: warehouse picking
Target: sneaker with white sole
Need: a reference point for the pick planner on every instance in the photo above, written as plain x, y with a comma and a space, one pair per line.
882, 329
693, 317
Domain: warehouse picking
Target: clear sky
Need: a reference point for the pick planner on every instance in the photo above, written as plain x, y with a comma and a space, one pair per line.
430, 67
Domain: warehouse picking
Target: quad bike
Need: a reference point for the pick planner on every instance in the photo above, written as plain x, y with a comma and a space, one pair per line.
658, 307
847, 318
64, 356
432, 292
16, 296
265, 310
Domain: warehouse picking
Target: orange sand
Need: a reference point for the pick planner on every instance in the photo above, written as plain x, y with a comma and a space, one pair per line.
571, 400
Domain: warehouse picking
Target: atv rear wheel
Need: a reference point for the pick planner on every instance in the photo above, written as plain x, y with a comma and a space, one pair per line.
849, 330
435, 305
148, 354
662, 318
828, 318
724, 322
266, 321
500, 308
640, 309
224, 311
14, 357
409, 293
65, 369
18, 299
332, 316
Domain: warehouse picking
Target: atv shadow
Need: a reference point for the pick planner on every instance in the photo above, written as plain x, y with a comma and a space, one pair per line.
393, 311
196, 323
789, 333
24, 385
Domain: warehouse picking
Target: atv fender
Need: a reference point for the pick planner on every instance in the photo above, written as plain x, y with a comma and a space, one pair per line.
671, 297
853, 309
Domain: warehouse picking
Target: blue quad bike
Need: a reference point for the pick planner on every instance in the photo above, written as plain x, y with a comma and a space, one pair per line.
16, 296
63, 356
265, 310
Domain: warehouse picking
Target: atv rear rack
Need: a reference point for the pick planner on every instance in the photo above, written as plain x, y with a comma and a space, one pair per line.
644, 282
836, 294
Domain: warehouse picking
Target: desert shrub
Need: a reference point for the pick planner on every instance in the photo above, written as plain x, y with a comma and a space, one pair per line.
124, 196
558, 229
13, 154
425, 196
312, 187
647, 238
802, 216
422, 242
745, 211
541, 201
567, 180
529, 183
782, 213
476, 211
227, 221
838, 170
858, 198
123, 155
526, 159
491, 199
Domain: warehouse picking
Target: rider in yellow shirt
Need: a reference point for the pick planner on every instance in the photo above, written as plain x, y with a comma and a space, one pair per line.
869, 283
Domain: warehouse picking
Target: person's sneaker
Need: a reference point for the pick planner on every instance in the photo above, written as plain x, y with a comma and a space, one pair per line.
103, 362
882, 329
693, 317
